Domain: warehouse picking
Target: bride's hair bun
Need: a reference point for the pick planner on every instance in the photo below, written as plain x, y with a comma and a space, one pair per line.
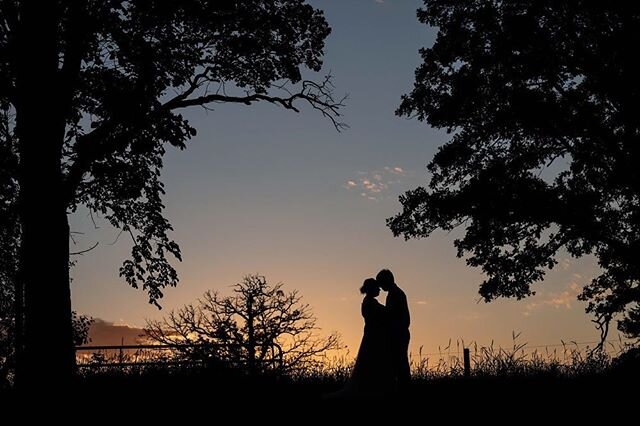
368, 285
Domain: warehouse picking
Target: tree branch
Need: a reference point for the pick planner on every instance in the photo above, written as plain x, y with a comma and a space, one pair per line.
95, 145
88, 148
86, 250
318, 95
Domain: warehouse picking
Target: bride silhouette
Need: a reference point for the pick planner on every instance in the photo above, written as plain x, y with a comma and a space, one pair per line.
372, 374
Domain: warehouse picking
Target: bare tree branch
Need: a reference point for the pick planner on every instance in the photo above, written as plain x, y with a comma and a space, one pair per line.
283, 331
97, 144
84, 251
318, 95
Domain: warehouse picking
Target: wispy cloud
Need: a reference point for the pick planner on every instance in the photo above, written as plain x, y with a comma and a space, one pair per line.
556, 300
373, 185
395, 170
379, 1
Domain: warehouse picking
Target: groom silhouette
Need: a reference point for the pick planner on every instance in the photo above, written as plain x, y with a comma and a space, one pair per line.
398, 311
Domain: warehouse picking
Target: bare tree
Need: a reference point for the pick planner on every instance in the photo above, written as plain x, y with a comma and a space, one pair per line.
260, 326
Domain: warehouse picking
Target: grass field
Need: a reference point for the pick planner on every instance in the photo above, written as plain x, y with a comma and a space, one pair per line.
500, 382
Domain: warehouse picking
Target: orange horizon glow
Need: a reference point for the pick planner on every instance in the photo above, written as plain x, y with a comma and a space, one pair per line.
264, 190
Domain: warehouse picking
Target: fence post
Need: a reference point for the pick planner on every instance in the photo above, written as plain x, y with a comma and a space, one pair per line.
467, 363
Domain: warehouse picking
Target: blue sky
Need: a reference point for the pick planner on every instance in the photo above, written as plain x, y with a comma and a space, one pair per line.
265, 190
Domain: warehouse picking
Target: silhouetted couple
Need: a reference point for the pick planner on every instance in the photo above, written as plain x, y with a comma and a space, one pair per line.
382, 365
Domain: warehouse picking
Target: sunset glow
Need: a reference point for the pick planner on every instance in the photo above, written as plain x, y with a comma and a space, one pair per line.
268, 191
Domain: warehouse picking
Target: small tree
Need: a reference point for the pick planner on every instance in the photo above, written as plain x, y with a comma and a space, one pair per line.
260, 326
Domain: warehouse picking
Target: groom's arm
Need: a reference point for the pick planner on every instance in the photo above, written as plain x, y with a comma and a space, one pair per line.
404, 313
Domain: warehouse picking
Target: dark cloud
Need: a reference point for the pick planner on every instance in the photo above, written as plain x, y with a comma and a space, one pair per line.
106, 333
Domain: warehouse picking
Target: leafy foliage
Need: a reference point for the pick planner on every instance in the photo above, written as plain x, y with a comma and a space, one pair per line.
541, 101
81, 325
126, 68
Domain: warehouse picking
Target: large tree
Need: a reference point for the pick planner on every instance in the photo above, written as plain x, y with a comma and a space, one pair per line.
90, 94
540, 98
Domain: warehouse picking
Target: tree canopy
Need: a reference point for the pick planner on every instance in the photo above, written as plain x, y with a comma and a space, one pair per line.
540, 99
126, 70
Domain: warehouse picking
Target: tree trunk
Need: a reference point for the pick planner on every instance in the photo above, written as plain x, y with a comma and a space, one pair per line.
48, 358
48, 347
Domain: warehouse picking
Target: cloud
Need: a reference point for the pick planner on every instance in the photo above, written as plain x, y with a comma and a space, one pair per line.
556, 300
395, 170
106, 333
375, 184
379, 1
421, 302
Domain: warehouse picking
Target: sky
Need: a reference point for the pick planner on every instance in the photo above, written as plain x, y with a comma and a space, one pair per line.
265, 190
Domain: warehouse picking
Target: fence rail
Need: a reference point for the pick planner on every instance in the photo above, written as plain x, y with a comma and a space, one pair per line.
123, 356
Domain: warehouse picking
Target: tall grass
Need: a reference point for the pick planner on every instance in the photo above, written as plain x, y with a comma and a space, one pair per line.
568, 359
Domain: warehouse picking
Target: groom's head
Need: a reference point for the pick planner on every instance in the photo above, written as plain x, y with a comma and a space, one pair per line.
385, 279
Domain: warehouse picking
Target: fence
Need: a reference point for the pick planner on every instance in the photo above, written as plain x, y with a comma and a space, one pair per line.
460, 357
132, 356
